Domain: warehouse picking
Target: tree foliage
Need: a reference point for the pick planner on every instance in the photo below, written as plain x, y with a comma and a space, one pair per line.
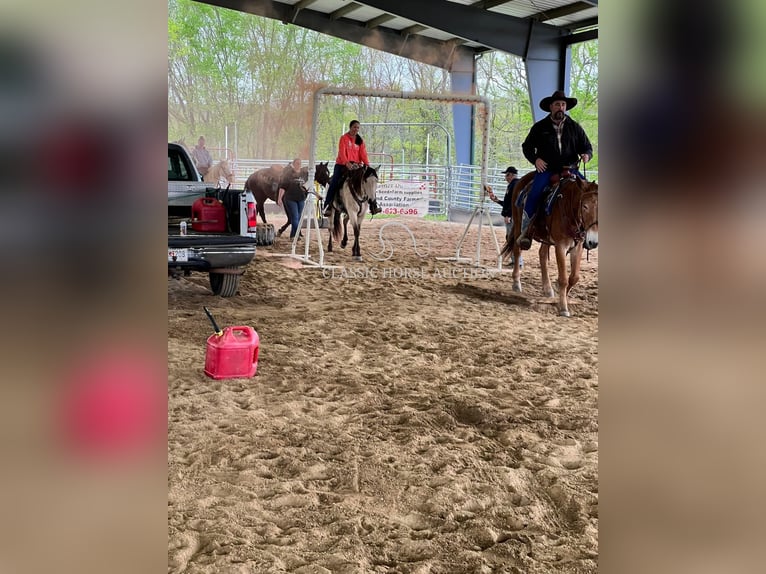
256, 76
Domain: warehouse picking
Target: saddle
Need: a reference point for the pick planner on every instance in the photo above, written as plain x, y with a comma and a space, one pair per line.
550, 192
550, 195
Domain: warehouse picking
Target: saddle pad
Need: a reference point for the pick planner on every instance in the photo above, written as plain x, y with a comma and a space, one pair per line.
551, 199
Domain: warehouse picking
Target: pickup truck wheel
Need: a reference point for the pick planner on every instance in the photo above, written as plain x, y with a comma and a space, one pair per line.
224, 284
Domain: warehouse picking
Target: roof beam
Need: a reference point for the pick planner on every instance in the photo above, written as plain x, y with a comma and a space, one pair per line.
375, 22
415, 47
414, 29
580, 24
491, 29
340, 12
487, 4
303, 4
300, 6
580, 37
561, 11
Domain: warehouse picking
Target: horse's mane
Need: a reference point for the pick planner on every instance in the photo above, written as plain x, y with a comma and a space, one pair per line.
370, 171
355, 178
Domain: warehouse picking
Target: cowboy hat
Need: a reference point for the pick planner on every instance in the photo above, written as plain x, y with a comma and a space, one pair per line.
510, 169
545, 103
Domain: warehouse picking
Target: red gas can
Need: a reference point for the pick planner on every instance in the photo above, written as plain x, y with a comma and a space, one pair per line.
232, 354
208, 214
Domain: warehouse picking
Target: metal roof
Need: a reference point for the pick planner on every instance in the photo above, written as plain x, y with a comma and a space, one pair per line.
477, 25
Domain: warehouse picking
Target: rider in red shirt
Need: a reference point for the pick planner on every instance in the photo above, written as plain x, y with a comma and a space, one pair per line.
351, 153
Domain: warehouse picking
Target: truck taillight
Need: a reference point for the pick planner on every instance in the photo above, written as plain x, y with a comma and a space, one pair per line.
251, 216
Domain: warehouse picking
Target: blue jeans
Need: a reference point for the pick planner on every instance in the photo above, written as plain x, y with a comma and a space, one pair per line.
335, 183
538, 185
294, 210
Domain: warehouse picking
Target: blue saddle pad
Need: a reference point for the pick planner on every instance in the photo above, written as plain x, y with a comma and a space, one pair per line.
550, 199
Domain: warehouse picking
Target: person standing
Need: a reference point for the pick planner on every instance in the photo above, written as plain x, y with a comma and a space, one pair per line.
294, 197
296, 166
351, 154
201, 157
552, 143
511, 178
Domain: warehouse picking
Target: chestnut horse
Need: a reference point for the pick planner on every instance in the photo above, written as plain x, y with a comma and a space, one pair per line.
264, 184
220, 174
351, 200
571, 227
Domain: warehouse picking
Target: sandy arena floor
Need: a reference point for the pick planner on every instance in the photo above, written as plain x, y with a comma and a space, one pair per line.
410, 415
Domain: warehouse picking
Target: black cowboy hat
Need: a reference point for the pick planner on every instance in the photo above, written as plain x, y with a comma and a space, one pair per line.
545, 103
511, 169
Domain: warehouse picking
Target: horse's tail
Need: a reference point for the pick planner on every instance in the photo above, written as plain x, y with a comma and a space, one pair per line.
508, 247
337, 228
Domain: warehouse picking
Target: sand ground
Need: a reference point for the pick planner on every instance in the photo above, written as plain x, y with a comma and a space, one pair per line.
410, 415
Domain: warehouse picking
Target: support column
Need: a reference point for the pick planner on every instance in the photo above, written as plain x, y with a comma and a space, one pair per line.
548, 65
463, 81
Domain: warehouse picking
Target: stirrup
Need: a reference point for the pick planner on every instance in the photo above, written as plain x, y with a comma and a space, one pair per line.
374, 208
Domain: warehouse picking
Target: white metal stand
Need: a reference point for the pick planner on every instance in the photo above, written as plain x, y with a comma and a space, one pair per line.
309, 215
482, 212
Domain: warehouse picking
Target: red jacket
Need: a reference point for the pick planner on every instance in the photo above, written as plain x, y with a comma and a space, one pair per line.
349, 150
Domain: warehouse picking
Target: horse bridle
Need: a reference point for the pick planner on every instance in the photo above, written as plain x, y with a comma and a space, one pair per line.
582, 231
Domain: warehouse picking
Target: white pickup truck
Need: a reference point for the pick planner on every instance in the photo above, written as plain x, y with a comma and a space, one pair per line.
221, 254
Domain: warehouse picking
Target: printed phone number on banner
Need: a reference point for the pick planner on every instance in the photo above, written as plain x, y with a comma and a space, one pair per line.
401, 210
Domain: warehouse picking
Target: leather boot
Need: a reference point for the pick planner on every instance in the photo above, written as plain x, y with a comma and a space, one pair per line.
374, 208
524, 241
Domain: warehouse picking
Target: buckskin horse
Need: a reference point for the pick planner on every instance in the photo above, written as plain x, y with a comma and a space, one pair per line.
352, 201
570, 225
264, 184
220, 174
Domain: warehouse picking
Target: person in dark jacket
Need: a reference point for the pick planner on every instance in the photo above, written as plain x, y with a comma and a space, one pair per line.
294, 197
552, 143
511, 178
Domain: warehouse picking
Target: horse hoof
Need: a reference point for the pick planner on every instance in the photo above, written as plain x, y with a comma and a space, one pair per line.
564, 313
517, 288
548, 293
357, 258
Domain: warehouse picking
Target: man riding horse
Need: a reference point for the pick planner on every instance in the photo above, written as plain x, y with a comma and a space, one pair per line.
555, 142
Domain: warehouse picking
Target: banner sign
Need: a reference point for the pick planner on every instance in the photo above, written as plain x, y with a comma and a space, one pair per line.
403, 197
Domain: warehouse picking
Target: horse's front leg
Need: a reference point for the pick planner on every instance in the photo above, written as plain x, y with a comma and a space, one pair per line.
356, 252
545, 251
561, 263
516, 275
575, 258
261, 211
287, 223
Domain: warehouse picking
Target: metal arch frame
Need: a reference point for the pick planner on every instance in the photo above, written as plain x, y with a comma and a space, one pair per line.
309, 210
